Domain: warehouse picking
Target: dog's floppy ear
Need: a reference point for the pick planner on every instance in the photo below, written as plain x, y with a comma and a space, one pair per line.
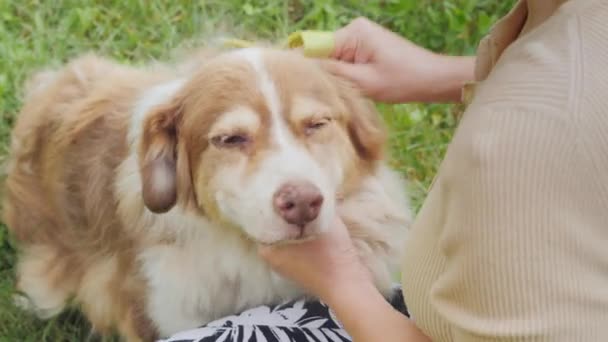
364, 124
159, 157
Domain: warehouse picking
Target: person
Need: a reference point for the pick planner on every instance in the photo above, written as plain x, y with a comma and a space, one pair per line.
510, 243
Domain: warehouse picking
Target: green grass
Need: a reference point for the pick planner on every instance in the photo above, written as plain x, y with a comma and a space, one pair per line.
40, 33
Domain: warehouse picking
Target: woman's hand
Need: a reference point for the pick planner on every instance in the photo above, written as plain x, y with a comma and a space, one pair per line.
389, 68
322, 265
329, 267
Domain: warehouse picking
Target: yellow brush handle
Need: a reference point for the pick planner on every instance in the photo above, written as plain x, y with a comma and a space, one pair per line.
319, 44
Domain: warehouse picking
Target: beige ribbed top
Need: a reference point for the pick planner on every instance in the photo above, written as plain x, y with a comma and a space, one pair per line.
511, 243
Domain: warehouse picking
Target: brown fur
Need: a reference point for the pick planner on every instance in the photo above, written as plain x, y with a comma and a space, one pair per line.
59, 202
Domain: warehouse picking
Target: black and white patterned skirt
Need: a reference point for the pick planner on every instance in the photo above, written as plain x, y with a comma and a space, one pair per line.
295, 321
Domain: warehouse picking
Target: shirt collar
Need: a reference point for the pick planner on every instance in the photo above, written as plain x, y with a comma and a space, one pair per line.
523, 17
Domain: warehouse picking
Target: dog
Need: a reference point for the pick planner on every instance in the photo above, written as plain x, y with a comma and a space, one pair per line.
140, 194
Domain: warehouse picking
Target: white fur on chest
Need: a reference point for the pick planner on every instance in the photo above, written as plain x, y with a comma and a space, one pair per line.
209, 276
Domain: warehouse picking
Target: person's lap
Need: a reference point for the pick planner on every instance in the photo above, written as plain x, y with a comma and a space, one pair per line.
296, 321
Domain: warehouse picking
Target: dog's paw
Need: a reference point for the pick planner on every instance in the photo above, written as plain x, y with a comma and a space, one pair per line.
24, 303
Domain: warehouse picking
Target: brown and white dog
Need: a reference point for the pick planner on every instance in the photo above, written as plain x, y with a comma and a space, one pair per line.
140, 194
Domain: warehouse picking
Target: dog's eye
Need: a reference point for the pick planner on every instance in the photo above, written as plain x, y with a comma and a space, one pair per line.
315, 125
230, 140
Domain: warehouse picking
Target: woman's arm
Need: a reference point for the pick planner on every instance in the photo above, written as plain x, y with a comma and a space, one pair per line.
367, 316
450, 75
386, 67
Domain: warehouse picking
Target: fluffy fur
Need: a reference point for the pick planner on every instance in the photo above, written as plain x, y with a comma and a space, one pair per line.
140, 194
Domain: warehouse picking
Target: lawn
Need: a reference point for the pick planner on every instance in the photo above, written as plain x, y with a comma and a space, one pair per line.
40, 33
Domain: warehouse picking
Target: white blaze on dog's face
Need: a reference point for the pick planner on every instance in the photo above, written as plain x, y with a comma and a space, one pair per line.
263, 140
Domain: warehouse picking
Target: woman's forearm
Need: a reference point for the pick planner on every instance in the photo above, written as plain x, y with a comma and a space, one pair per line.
367, 316
447, 76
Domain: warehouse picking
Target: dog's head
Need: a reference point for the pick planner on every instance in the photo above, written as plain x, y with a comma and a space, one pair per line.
264, 140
